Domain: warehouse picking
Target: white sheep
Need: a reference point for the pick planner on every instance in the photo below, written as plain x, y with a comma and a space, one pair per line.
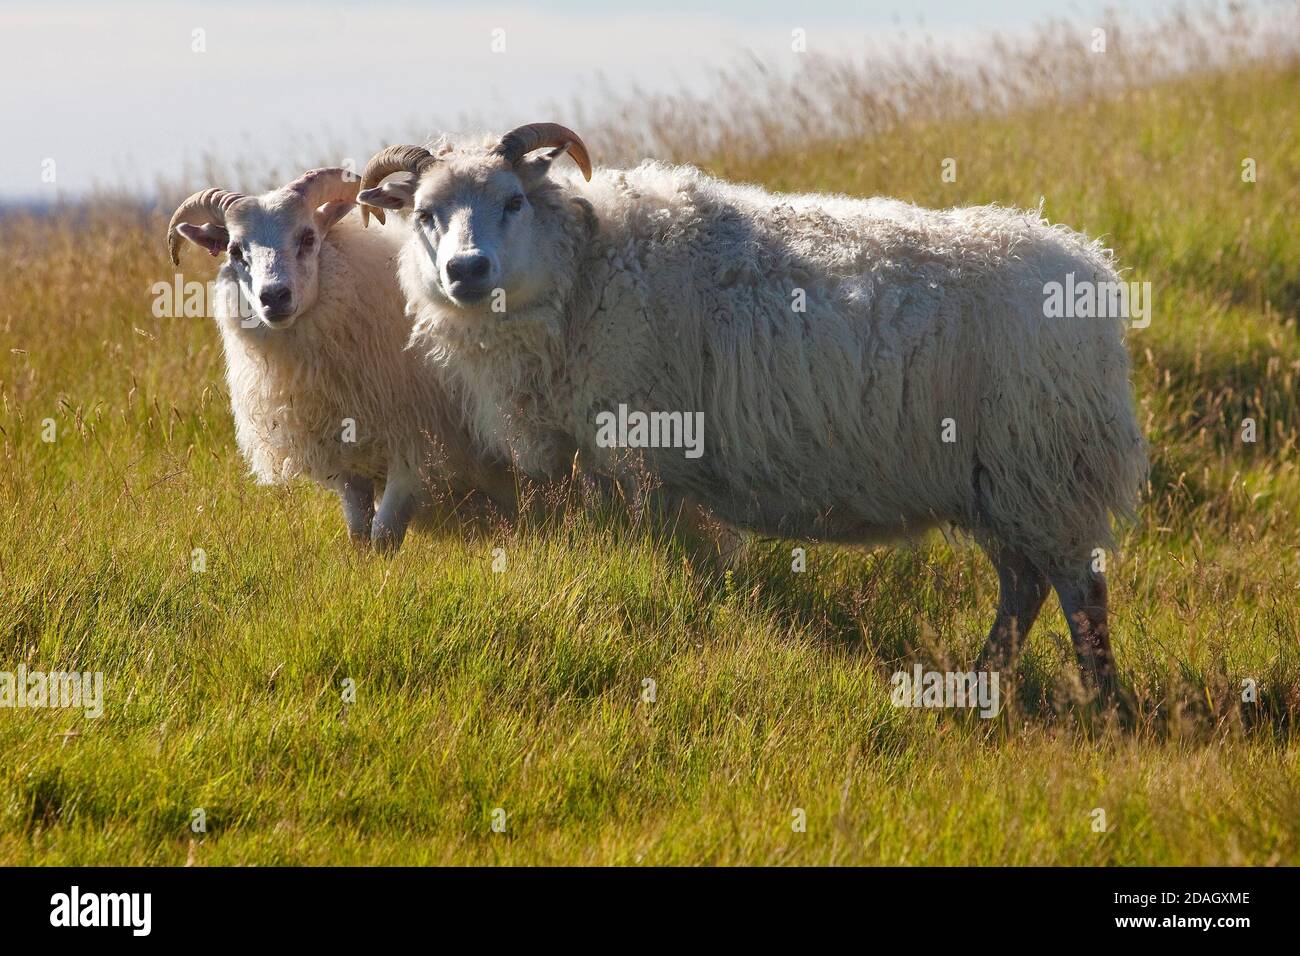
865, 369
321, 383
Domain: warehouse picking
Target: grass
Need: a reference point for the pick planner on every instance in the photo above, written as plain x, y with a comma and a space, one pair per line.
525, 690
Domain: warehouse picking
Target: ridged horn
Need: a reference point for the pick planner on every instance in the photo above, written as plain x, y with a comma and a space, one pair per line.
393, 159
327, 184
204, 207
522, 140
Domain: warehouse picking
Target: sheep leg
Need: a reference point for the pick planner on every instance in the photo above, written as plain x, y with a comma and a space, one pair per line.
397, 507
1083, 599
1022, 589
358, 497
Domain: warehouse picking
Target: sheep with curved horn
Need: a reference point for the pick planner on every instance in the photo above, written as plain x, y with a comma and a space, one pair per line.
321, 383
862, 369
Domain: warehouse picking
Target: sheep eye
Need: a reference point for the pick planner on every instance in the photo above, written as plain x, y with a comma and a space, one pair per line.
514, 203
236, 253
307, 243
423, 218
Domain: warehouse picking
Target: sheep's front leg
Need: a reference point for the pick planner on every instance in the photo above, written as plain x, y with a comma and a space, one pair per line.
396, 509
358, 497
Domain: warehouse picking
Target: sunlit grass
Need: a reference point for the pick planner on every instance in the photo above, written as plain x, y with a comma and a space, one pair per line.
529, 689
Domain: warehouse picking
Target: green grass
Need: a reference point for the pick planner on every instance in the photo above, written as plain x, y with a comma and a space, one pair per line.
522, 689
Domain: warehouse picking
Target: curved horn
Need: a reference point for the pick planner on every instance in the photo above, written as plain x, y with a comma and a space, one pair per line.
393, 159
328, 184
206, 206
524, 139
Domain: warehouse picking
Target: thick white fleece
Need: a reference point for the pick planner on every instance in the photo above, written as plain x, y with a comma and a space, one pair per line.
679, 296
345, 358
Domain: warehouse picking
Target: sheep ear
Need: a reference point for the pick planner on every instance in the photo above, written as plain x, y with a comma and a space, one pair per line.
391, 195
533, 170
212, 237
331, 213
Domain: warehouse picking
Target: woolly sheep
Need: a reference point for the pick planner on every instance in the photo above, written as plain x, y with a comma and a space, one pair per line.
866, 369
321, 384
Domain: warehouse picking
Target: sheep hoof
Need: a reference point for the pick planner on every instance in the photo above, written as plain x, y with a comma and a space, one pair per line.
386, 542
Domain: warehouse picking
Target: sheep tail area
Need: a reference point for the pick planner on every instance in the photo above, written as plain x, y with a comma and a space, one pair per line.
1059, 455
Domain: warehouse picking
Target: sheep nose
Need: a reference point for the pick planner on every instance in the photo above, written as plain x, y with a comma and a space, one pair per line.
468, 268
276, 299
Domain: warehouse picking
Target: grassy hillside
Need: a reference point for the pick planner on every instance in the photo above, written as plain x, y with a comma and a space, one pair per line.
523, 689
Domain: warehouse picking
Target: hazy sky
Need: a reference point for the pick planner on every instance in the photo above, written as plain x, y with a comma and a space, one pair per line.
117, 95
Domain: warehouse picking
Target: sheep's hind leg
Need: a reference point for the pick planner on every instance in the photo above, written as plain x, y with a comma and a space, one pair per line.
358, 497
1084, 599
1022, 589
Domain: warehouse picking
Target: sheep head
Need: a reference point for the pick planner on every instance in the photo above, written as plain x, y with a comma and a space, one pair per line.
484, 217
273, 241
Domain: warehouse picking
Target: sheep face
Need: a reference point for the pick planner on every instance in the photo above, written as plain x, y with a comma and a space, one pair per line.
274, 246
273, 241
481, 229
